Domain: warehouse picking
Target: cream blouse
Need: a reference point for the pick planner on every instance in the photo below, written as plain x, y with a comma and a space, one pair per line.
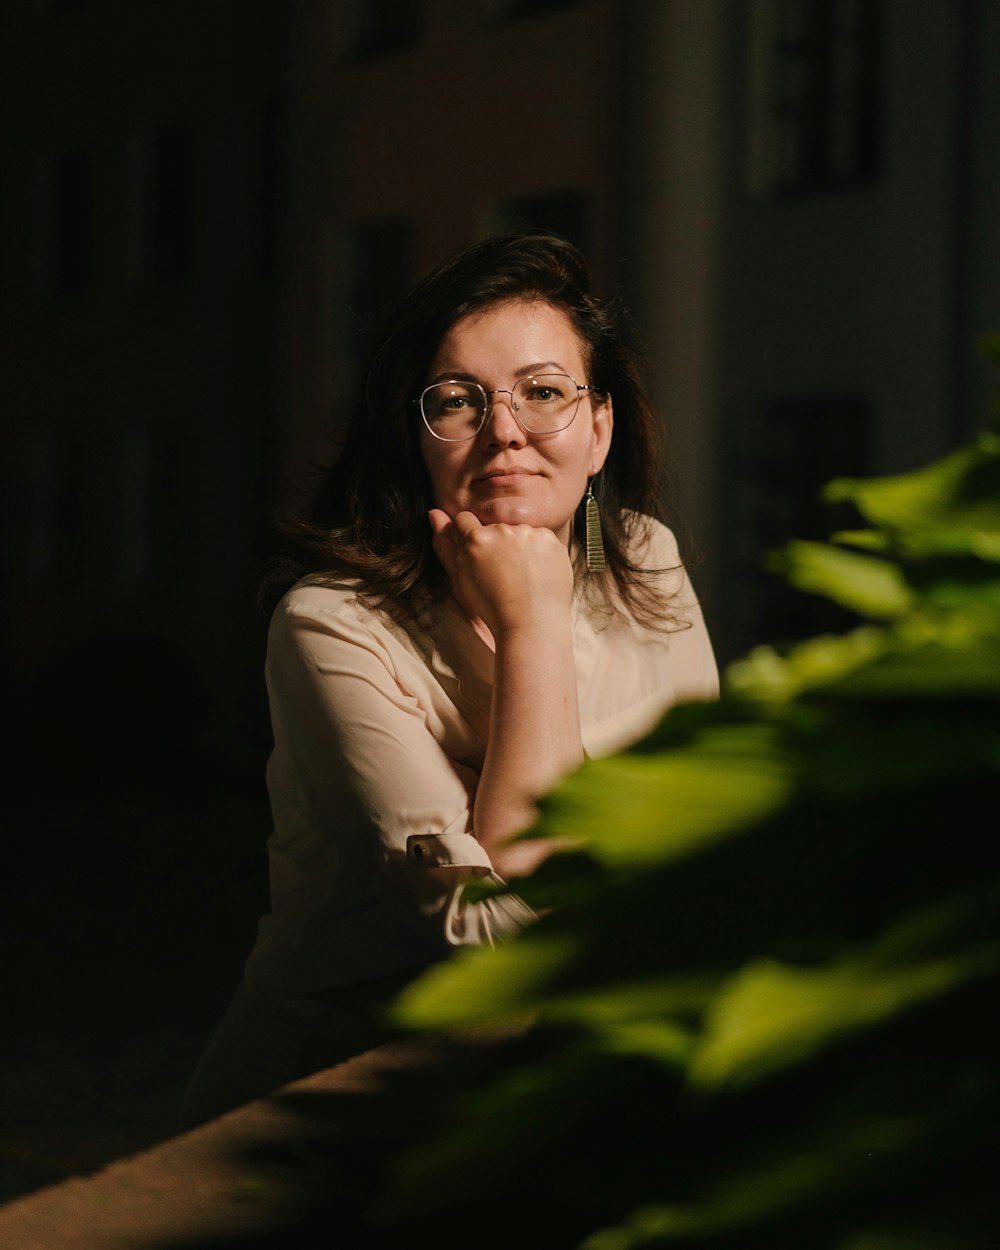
380, 729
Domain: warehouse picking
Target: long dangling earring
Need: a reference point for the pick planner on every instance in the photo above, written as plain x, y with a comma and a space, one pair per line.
595, 539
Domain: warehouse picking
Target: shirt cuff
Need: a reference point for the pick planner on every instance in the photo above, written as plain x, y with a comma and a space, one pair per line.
446, 850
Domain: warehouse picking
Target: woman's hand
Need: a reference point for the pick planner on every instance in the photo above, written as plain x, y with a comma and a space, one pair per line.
510, 576
518, 580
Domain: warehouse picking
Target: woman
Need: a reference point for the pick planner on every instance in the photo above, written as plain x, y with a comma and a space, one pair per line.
463, 631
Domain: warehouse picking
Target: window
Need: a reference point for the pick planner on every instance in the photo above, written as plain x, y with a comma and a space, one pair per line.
783, 452
814, 95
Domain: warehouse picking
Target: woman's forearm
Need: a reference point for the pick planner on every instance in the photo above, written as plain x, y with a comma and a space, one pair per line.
534, 739
517, 582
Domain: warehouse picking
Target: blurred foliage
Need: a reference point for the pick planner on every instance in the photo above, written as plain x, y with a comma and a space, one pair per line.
757, 1010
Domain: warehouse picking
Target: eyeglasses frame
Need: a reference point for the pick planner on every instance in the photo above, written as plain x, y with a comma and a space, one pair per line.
488, 406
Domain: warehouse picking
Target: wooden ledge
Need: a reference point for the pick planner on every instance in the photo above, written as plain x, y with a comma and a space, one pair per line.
255, 1177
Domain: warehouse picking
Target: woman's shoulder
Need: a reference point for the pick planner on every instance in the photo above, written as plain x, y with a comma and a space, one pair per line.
652, 545
333, 610
319, 595
323, 603
660, 574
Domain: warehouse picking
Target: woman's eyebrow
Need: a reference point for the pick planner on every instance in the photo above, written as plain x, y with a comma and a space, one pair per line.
525, 371
452, 375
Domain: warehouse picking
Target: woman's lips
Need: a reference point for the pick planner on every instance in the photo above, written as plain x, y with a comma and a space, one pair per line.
502, 477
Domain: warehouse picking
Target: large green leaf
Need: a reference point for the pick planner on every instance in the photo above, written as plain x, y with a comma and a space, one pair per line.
770, 1015
541, 969
929, 660
954, 656
765, 675
635, 809
951, 506
869, 586
780, 924
479, 984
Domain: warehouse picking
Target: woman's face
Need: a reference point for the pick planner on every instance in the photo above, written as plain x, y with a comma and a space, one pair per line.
504, 473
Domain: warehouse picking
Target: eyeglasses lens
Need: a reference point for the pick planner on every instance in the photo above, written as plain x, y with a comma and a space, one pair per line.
454, 410
546, 403
543, 405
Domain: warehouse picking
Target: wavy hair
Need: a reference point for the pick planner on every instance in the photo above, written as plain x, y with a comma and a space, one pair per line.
368, 518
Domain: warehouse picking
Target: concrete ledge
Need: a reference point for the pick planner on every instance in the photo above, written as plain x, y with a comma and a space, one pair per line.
257, 1176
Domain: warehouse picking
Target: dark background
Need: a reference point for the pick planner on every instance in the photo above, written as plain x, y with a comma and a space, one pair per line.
202, 208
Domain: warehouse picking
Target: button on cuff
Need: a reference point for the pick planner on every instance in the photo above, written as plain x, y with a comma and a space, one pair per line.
446, 850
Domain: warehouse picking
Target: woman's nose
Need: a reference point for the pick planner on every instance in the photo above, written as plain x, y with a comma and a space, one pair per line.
501, 427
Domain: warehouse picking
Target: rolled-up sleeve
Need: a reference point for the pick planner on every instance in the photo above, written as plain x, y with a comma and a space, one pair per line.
446, 850
373, 778
441, 859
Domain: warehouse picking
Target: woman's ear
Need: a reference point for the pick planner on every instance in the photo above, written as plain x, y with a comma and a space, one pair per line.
604, 420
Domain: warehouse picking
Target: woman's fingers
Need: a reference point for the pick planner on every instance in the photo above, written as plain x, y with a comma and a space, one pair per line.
505, 574
443, 541
467, 523
439, 519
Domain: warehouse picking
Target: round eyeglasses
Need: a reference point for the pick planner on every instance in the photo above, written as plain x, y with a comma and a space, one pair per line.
542, 404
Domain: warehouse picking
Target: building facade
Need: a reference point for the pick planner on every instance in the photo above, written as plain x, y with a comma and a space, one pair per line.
206, 206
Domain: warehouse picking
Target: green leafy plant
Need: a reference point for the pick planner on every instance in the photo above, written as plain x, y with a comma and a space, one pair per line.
758, 1010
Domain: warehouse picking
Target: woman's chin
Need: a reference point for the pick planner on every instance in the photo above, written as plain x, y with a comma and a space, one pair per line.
506, 511
519, 512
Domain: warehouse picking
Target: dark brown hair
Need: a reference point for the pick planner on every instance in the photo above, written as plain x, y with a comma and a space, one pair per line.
368, 518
